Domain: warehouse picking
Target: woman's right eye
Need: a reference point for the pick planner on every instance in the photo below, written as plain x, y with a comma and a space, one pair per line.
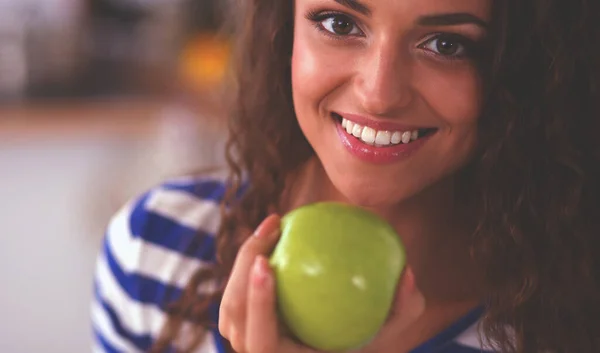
340, 25
336, 24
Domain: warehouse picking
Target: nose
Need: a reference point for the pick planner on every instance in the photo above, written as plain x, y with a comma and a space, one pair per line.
382, 82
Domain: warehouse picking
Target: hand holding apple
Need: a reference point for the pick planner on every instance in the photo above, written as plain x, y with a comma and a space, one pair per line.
248, 315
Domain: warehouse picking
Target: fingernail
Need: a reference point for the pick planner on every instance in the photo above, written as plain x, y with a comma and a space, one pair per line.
410, 278
266, 225
261, 275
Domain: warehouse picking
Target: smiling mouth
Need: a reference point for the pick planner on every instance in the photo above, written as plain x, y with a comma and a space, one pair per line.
381, 138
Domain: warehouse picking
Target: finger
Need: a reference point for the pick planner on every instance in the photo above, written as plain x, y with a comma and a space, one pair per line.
410, 302
262, 334
412, 297
262, 242
233, 305
236, 340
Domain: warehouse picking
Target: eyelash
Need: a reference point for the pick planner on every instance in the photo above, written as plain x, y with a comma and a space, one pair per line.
468, 46
317, 17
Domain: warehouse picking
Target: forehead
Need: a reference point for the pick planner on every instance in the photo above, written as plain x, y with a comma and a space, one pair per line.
399, 9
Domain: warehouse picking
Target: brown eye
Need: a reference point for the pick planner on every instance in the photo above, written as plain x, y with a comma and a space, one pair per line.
340, 25
446, 45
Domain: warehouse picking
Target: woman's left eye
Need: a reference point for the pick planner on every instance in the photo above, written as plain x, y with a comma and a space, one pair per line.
340, 25
447, 45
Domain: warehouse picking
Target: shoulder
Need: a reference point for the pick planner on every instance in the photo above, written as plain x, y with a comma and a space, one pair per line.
464, 336
179, 215
178, 218
471, 340
152, 247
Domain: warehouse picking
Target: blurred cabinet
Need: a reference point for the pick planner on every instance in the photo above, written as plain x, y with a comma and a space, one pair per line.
97, 48
38, 44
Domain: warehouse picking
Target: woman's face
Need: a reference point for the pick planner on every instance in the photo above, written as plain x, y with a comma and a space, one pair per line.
387, 92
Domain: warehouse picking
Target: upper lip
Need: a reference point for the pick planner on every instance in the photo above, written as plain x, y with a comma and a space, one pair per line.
378, 124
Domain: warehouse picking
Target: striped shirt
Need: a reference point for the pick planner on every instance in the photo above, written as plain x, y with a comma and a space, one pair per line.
152, 247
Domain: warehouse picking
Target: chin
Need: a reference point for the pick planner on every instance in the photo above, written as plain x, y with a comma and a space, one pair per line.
370, 193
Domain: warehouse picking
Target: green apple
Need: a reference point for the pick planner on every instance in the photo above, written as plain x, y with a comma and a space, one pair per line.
337, 268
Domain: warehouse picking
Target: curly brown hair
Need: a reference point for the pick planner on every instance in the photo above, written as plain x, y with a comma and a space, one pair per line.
535, 178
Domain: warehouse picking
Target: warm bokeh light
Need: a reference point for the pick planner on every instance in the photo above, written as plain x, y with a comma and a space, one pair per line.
204, 60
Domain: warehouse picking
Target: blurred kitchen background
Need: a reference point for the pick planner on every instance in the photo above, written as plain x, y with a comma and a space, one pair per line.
99, 100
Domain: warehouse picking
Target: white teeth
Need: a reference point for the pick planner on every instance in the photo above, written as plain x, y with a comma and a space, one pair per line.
406, 137
414, 135
383, 138
380, 138
349, 126
368, 135
357, 130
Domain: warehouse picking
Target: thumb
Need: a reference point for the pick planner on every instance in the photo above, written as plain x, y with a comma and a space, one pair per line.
410, 302
262, 332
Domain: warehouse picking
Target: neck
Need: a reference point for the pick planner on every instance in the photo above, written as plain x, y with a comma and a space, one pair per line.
397, 338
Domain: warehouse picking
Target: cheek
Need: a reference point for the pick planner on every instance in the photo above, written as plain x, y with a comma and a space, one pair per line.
315, 70
305, 69
454, 95
304, 62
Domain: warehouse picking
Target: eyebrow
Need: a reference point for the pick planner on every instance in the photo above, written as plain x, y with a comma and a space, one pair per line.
451, 19
356, 6
448, 19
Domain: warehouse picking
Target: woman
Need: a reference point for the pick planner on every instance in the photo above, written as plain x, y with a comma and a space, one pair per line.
469, 125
